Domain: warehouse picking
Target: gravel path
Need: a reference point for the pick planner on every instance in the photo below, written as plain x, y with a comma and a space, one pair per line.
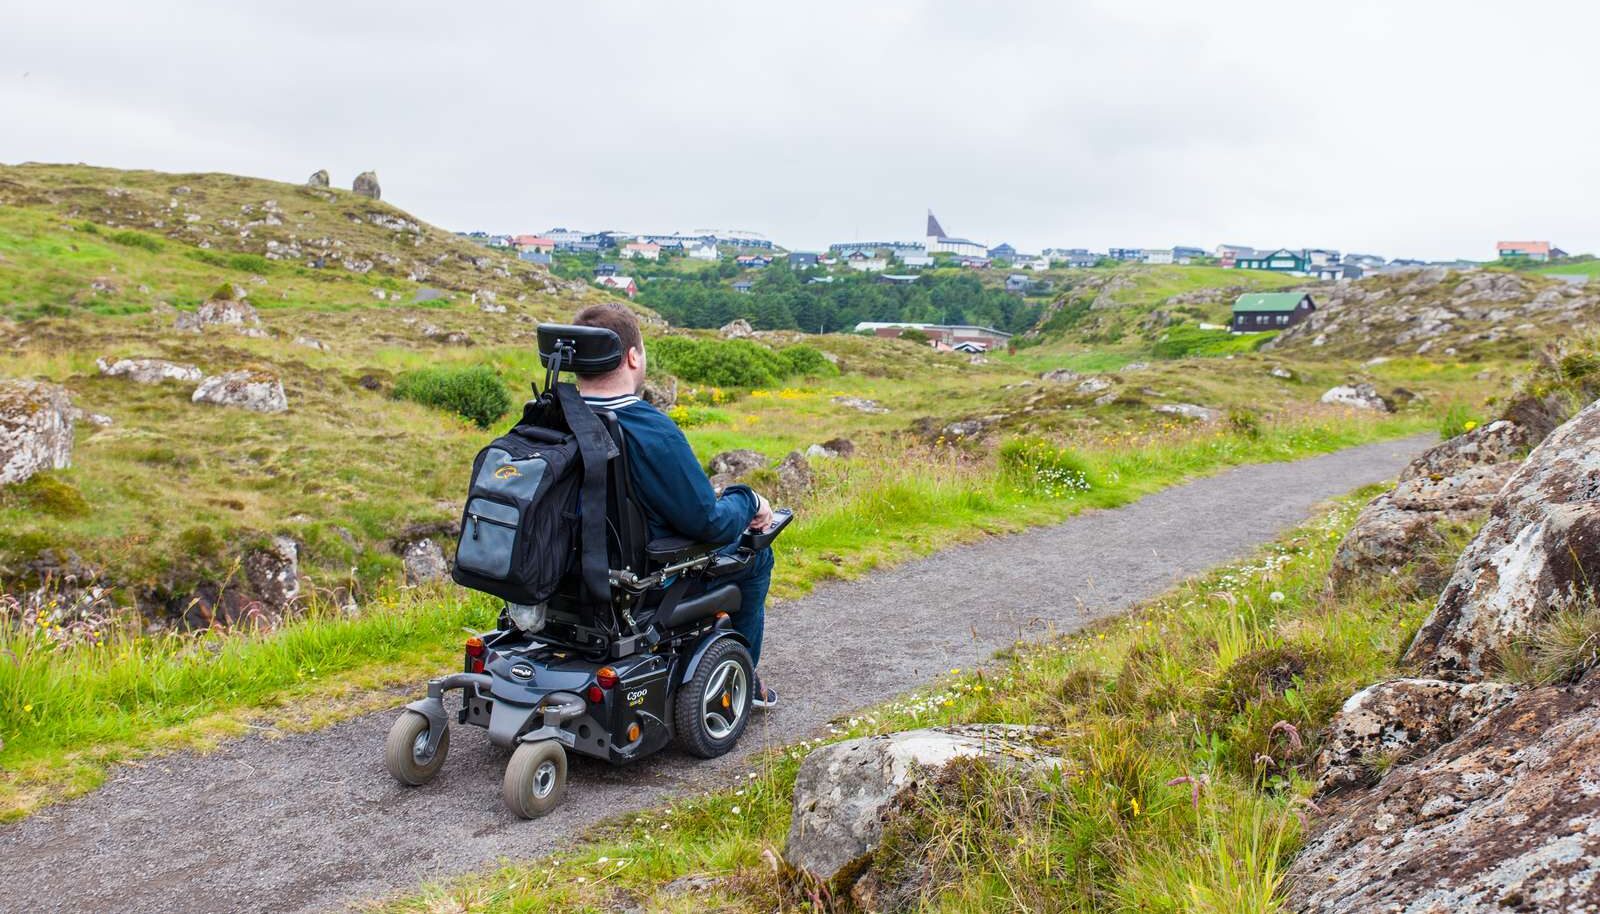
310, 822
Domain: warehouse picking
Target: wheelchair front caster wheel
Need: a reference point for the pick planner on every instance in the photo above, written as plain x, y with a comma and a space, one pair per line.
536, 778
405, 752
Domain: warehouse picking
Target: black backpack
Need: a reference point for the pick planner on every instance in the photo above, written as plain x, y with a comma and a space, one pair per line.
537, 504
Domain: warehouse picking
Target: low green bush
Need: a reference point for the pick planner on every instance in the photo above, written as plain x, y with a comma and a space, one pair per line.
132, 239
1038, 466
735, 363
475, 394
1185, 340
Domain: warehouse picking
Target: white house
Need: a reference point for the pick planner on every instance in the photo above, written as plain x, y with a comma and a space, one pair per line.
705, 252
1030, 262
640, 250
864, 264
1158, 255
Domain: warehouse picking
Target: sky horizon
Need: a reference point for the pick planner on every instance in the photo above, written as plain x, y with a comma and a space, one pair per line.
1427, 131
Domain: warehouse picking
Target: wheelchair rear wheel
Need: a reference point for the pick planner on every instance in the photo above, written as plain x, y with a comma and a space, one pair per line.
713, 707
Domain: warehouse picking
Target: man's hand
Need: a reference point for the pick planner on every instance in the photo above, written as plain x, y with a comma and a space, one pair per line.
763, 514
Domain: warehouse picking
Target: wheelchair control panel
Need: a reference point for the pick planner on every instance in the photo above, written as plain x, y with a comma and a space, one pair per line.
757, 540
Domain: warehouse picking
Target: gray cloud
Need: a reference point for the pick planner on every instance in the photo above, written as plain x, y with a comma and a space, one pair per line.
1420, 128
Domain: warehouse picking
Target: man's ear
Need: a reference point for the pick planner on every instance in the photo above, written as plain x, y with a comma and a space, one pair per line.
635, 357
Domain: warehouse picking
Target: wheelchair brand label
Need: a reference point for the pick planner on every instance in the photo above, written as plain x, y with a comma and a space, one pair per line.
522, 671
637, 697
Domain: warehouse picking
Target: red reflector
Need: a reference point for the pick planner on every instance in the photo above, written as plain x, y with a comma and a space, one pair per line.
474, 646
607, 677
594, 695
477, 664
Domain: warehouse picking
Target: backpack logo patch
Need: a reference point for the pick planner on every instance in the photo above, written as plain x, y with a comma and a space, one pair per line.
507, 472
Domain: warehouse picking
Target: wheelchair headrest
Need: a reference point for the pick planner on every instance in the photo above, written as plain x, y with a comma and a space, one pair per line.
587, 350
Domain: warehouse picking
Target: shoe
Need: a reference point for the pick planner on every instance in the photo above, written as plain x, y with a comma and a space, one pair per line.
765, 697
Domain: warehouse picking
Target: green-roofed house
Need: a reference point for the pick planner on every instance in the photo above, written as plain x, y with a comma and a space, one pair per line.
1254, 312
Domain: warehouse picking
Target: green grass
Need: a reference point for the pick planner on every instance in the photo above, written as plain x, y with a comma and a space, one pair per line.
1184, 341
1188, 728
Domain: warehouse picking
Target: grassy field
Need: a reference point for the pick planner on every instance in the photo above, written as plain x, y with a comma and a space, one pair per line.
1187, 728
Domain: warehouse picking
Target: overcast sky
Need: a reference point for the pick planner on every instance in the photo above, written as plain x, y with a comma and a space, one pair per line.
1404, 127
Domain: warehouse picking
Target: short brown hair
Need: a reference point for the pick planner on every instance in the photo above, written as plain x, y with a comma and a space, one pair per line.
616, 317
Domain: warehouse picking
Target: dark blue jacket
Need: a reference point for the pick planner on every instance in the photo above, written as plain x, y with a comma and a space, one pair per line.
677, 497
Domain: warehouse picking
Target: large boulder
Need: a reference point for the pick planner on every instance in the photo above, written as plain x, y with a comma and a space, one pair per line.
149, 371
1453, 482
833, 447
253, 390
319, 178
1504, 818
738, 462
1399, 719
794, 474
366, 184
423, 560
737, 329
35, 429
219, 312
1357, 396
660, 391
1539, 551
1187, 411
861, 404
844, 790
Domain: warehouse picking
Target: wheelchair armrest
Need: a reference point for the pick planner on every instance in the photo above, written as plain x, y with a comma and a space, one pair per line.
670, 549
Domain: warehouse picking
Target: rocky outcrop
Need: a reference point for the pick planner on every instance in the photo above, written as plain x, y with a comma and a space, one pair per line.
1452, 482
319, 178
366, 184
423, 561
861, 404
1398, 720
1060, 375
794, 475
253, 390
149, 371
219, 312
1187, 411
1504, 818
844, 790
1358, 396
833, 447
736, 330
738, 462
1539, 550
660, 392
273, 572
35, 429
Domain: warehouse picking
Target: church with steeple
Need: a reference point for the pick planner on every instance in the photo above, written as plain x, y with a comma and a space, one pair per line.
939, 242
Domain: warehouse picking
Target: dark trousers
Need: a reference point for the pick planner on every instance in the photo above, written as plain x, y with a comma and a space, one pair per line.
754, 580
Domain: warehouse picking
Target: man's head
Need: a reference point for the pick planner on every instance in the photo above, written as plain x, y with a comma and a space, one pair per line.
629, 376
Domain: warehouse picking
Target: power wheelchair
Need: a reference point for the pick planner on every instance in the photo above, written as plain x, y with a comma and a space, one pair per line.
618, 678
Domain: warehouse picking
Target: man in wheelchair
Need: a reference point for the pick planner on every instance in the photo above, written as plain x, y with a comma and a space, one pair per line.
677, 498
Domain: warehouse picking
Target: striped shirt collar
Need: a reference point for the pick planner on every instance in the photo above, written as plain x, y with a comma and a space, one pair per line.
611, 402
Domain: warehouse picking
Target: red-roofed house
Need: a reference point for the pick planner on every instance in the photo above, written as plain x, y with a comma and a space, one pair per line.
643, 250
623, 284
1528, 250
533, 243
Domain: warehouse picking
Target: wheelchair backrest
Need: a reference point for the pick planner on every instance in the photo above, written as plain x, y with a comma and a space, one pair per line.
628, 530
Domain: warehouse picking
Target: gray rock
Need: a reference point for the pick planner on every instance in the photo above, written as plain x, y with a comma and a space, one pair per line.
253, 390
1060, 375
1399, 719
794, 474
1093, 385
861, 404
1188, 411
273, 572
737, 463
833, 447
1539, 551
736, 330
366, 184
319, 178
1278, 371
485, 300
219, 312
149, 371
843, 790
1135, 366
660, 391
424, 561
1357, 396
35, 429
311, 342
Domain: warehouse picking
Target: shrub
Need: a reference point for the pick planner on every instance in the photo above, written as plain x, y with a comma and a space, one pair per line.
48, 494
1457, 420
1185, 340
134, 239
251, 263
1038, 466
687, 416
1244, 423
807, 362
474, 393
912, 334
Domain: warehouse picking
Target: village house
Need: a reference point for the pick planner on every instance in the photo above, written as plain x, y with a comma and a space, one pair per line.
1364, 261
863, 262
951, 335
1528, 250
1075, 258
706, 252
623, 284
1157, 255
1337, 271
1127, 255
606, 269
1002, 251
1017, 282
802, 260
533, 243
940, 243
1186, 255
1283, 260
916, 256
1258, 311
743, 286
640, 250
1030, 262
752, 261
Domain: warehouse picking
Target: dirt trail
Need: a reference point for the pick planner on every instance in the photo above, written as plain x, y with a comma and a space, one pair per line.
310, 822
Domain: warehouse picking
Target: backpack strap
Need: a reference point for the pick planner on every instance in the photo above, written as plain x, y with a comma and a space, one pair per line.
596, 447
